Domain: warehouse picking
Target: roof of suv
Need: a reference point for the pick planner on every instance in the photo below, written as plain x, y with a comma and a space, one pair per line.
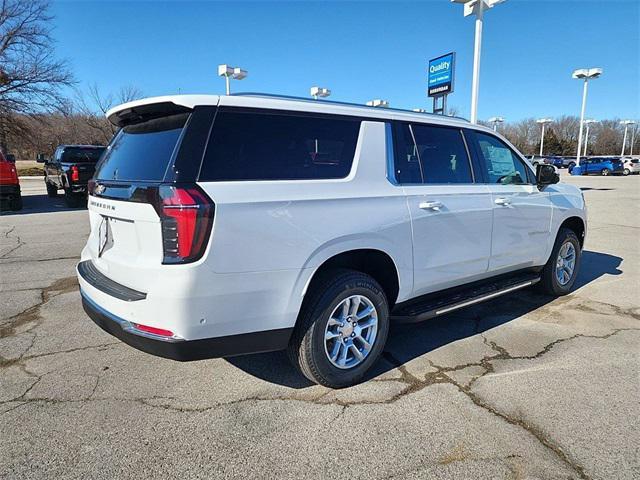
275, 102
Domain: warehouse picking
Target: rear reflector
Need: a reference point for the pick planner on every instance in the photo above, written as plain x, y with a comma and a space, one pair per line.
186, 214
155, 331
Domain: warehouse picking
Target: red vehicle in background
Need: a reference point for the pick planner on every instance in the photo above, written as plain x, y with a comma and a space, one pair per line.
9, 183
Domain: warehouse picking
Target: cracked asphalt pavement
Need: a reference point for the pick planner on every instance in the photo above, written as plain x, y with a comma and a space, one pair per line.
523, 387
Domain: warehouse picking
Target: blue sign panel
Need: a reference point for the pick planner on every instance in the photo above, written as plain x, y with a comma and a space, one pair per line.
440, 75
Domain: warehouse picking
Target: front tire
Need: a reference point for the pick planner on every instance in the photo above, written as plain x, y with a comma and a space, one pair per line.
605, 172
342, 329
561, 271
626, 172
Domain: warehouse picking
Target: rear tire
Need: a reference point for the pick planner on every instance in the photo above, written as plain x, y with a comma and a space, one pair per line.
328, 326
15, 203
553, 280
71, 199
52, 190
605, 172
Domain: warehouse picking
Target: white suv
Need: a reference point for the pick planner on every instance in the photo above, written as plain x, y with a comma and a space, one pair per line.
226, 225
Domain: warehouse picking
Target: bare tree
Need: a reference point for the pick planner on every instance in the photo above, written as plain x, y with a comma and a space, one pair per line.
31, 79
94, 105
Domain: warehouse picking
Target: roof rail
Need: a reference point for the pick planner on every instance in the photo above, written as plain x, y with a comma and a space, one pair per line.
333, 102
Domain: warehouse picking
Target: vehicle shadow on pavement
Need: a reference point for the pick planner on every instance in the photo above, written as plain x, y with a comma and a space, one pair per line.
42, 204
409, 341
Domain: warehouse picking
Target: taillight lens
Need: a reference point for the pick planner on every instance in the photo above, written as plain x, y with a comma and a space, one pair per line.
186, 215
75, 174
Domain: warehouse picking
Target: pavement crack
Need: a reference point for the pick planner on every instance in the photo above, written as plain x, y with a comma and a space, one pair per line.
20, 242
32, 314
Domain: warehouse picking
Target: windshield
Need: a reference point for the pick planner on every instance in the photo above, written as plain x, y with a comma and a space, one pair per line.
81, 154
142, 151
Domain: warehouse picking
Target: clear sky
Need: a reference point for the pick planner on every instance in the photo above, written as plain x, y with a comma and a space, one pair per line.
363, 50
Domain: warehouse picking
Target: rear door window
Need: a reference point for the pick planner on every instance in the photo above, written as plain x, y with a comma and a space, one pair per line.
279, 146
142, 151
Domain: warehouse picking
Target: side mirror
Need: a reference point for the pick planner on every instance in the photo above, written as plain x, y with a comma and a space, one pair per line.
10, 157
546, 175
40, 158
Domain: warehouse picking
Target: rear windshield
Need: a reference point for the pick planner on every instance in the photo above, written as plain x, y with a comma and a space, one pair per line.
279, 146
143, 151
80, 154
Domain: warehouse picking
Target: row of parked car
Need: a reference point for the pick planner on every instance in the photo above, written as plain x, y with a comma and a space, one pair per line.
603, 165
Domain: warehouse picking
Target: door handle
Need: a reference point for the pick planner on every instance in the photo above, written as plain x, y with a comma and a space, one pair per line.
505, 202
430, 205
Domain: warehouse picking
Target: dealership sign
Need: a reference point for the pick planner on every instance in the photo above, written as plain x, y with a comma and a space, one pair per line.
440, 75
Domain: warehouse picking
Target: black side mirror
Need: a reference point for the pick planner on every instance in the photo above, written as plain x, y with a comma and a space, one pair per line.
10, 157
40, 158
546, 175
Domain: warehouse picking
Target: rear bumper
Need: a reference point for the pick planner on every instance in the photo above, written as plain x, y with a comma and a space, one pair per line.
186, 350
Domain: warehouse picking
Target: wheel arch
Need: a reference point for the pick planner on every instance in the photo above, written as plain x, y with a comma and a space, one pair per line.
577, 225
372, 261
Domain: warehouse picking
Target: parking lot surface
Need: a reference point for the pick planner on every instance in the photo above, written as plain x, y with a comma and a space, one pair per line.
521, 387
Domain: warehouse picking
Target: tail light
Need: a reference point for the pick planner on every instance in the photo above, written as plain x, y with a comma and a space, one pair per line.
75, 174
186, 216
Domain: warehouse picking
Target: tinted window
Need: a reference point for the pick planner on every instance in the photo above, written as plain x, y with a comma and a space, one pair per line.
442, 154
79, 154
502, 164
405, 156
142, 151
270, 146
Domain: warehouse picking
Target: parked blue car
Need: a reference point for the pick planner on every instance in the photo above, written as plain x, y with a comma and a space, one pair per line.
598, 166
555, 161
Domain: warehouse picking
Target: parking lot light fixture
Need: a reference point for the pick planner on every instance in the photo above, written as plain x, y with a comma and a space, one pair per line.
543, 122
584, 74
496, 121
586, 135
319, 92
229, 72
477, 8
626, 124
378, 103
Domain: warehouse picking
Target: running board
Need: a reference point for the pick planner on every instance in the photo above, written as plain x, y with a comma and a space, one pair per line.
433, 305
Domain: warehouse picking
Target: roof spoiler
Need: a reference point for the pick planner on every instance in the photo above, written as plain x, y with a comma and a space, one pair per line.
136, 113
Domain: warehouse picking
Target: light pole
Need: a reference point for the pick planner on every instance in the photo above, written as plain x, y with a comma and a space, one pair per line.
626, 124
585, 74
378, 103
319, 92
543, 122
586, 135
231, 72
496, 121
633, 138
477, 8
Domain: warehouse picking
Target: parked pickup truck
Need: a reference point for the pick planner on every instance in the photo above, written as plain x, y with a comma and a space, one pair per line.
226, 225
70, 169
9, 183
